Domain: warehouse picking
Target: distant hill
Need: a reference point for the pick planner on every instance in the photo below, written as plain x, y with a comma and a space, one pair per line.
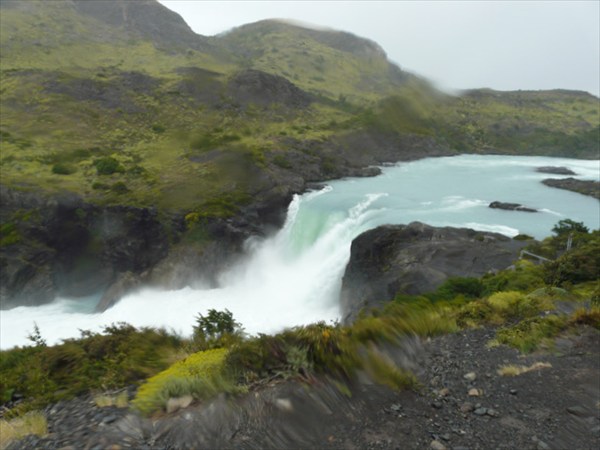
83, 81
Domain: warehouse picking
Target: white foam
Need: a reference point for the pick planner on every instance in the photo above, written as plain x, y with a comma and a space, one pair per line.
266, 292
492, 228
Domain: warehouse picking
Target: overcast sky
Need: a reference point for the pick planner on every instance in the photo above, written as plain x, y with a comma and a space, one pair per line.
504, 45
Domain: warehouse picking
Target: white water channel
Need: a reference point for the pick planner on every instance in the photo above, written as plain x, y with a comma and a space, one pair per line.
294, 277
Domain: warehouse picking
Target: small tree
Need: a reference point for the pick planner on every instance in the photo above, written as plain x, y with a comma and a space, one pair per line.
216, 329
566, 226
36, 336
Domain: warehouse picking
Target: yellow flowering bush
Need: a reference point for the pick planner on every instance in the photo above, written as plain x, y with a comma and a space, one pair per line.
200, 375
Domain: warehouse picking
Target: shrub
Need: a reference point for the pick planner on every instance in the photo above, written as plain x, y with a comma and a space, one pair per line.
158, 128
200, 375
452, 287
119, 356
63, 169
526, 277
100, 186
576, 266
119, 188
528, 334
107, 165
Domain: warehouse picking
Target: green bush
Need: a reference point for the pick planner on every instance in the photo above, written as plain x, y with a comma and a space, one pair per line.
100, 186
63, 169
467, 286
119, 356
525, 277
158, 128
107, 165
528, 334
577, 265
119, 188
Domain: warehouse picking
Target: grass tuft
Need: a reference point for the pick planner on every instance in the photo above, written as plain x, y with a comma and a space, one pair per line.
511, 370
33, 422
104, 400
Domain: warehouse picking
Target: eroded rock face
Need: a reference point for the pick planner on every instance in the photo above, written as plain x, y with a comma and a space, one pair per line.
417, 258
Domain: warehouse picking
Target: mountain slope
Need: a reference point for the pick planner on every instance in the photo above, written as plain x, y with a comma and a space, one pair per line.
332, 63
85, 80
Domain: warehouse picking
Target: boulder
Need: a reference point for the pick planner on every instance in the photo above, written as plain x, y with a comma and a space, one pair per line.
511, 207
417, 258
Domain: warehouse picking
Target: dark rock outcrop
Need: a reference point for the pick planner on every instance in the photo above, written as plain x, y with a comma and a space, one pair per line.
585, 187
511, 207
417, 258
64, 246
124, 285
555, 170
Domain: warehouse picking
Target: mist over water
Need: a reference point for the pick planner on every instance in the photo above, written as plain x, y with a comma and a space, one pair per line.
294, 277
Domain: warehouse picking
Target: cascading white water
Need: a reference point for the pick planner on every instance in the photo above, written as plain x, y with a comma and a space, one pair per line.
289, 279
294, 277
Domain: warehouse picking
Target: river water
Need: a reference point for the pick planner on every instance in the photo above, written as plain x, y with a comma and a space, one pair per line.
294, 277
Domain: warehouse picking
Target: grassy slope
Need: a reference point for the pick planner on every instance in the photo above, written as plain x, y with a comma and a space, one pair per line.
75, 89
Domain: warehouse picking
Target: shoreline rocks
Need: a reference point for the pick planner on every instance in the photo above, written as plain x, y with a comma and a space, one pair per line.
584, 187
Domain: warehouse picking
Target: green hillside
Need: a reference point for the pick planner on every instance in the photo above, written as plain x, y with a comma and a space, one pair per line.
122, 103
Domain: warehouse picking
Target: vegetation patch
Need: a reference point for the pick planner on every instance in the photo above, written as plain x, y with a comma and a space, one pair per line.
119, 356
511, 370
530, 334
200, 375
106, 400
34, 422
